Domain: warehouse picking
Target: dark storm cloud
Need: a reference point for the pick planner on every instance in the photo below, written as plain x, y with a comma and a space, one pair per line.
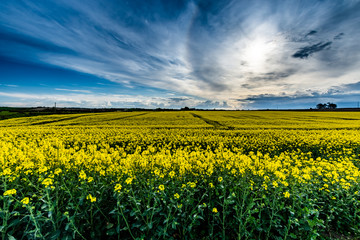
307, 51
311, 33
212, 104
351, 86
339, 36
274, 97
261, 80
272, 76
178, 99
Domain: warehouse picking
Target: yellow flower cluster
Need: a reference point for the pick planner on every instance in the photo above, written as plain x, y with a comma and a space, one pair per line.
161, 187
47, 182
91, 198
25, 201
117, 187
10, 192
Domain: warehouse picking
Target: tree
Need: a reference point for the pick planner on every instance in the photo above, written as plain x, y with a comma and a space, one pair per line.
321, 106
328, 105
331, 105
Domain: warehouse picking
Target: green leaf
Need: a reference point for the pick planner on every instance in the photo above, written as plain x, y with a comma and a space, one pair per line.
109, 225
132, 213
68, 237
150, 225
143, 228
14, 223
293, 236
11, 237
55, 235
136, 225
67, 226
173, 225
111, 232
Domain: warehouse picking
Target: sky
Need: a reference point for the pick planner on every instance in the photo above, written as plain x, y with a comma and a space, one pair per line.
258, 54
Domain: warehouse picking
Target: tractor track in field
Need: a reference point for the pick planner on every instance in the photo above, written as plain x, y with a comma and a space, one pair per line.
58, 120
214, 123
135, 115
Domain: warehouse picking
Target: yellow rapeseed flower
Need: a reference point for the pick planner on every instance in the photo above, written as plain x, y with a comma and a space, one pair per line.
286, 194
57, 171
43, 169
25, 201
10, 192
7, 171
192, 184
129, 180
91, 198
220, 179
172, 174
214, 210
117, 187
47, 182
161, 187
82, 175
176, 195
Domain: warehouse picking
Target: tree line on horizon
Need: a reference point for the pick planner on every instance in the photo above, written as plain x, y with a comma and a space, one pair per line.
328, 105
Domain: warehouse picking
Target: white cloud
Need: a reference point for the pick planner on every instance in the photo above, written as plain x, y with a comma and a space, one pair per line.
72, 90
103, 100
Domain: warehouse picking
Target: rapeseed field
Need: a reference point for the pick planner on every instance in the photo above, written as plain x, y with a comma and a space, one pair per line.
181, 175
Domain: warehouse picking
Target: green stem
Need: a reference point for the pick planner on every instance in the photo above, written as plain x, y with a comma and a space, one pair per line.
126, 222
37, 228
167, 223
242, 226
118, 225
75, 228
137, 207
51, 209
287, 229
6, 211
91, 216
224, 214
271, 218
5, 219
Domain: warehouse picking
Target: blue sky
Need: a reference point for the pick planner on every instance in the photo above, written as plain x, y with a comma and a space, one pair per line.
170, 54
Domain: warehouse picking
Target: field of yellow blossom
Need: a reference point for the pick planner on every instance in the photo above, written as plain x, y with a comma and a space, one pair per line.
181, 175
